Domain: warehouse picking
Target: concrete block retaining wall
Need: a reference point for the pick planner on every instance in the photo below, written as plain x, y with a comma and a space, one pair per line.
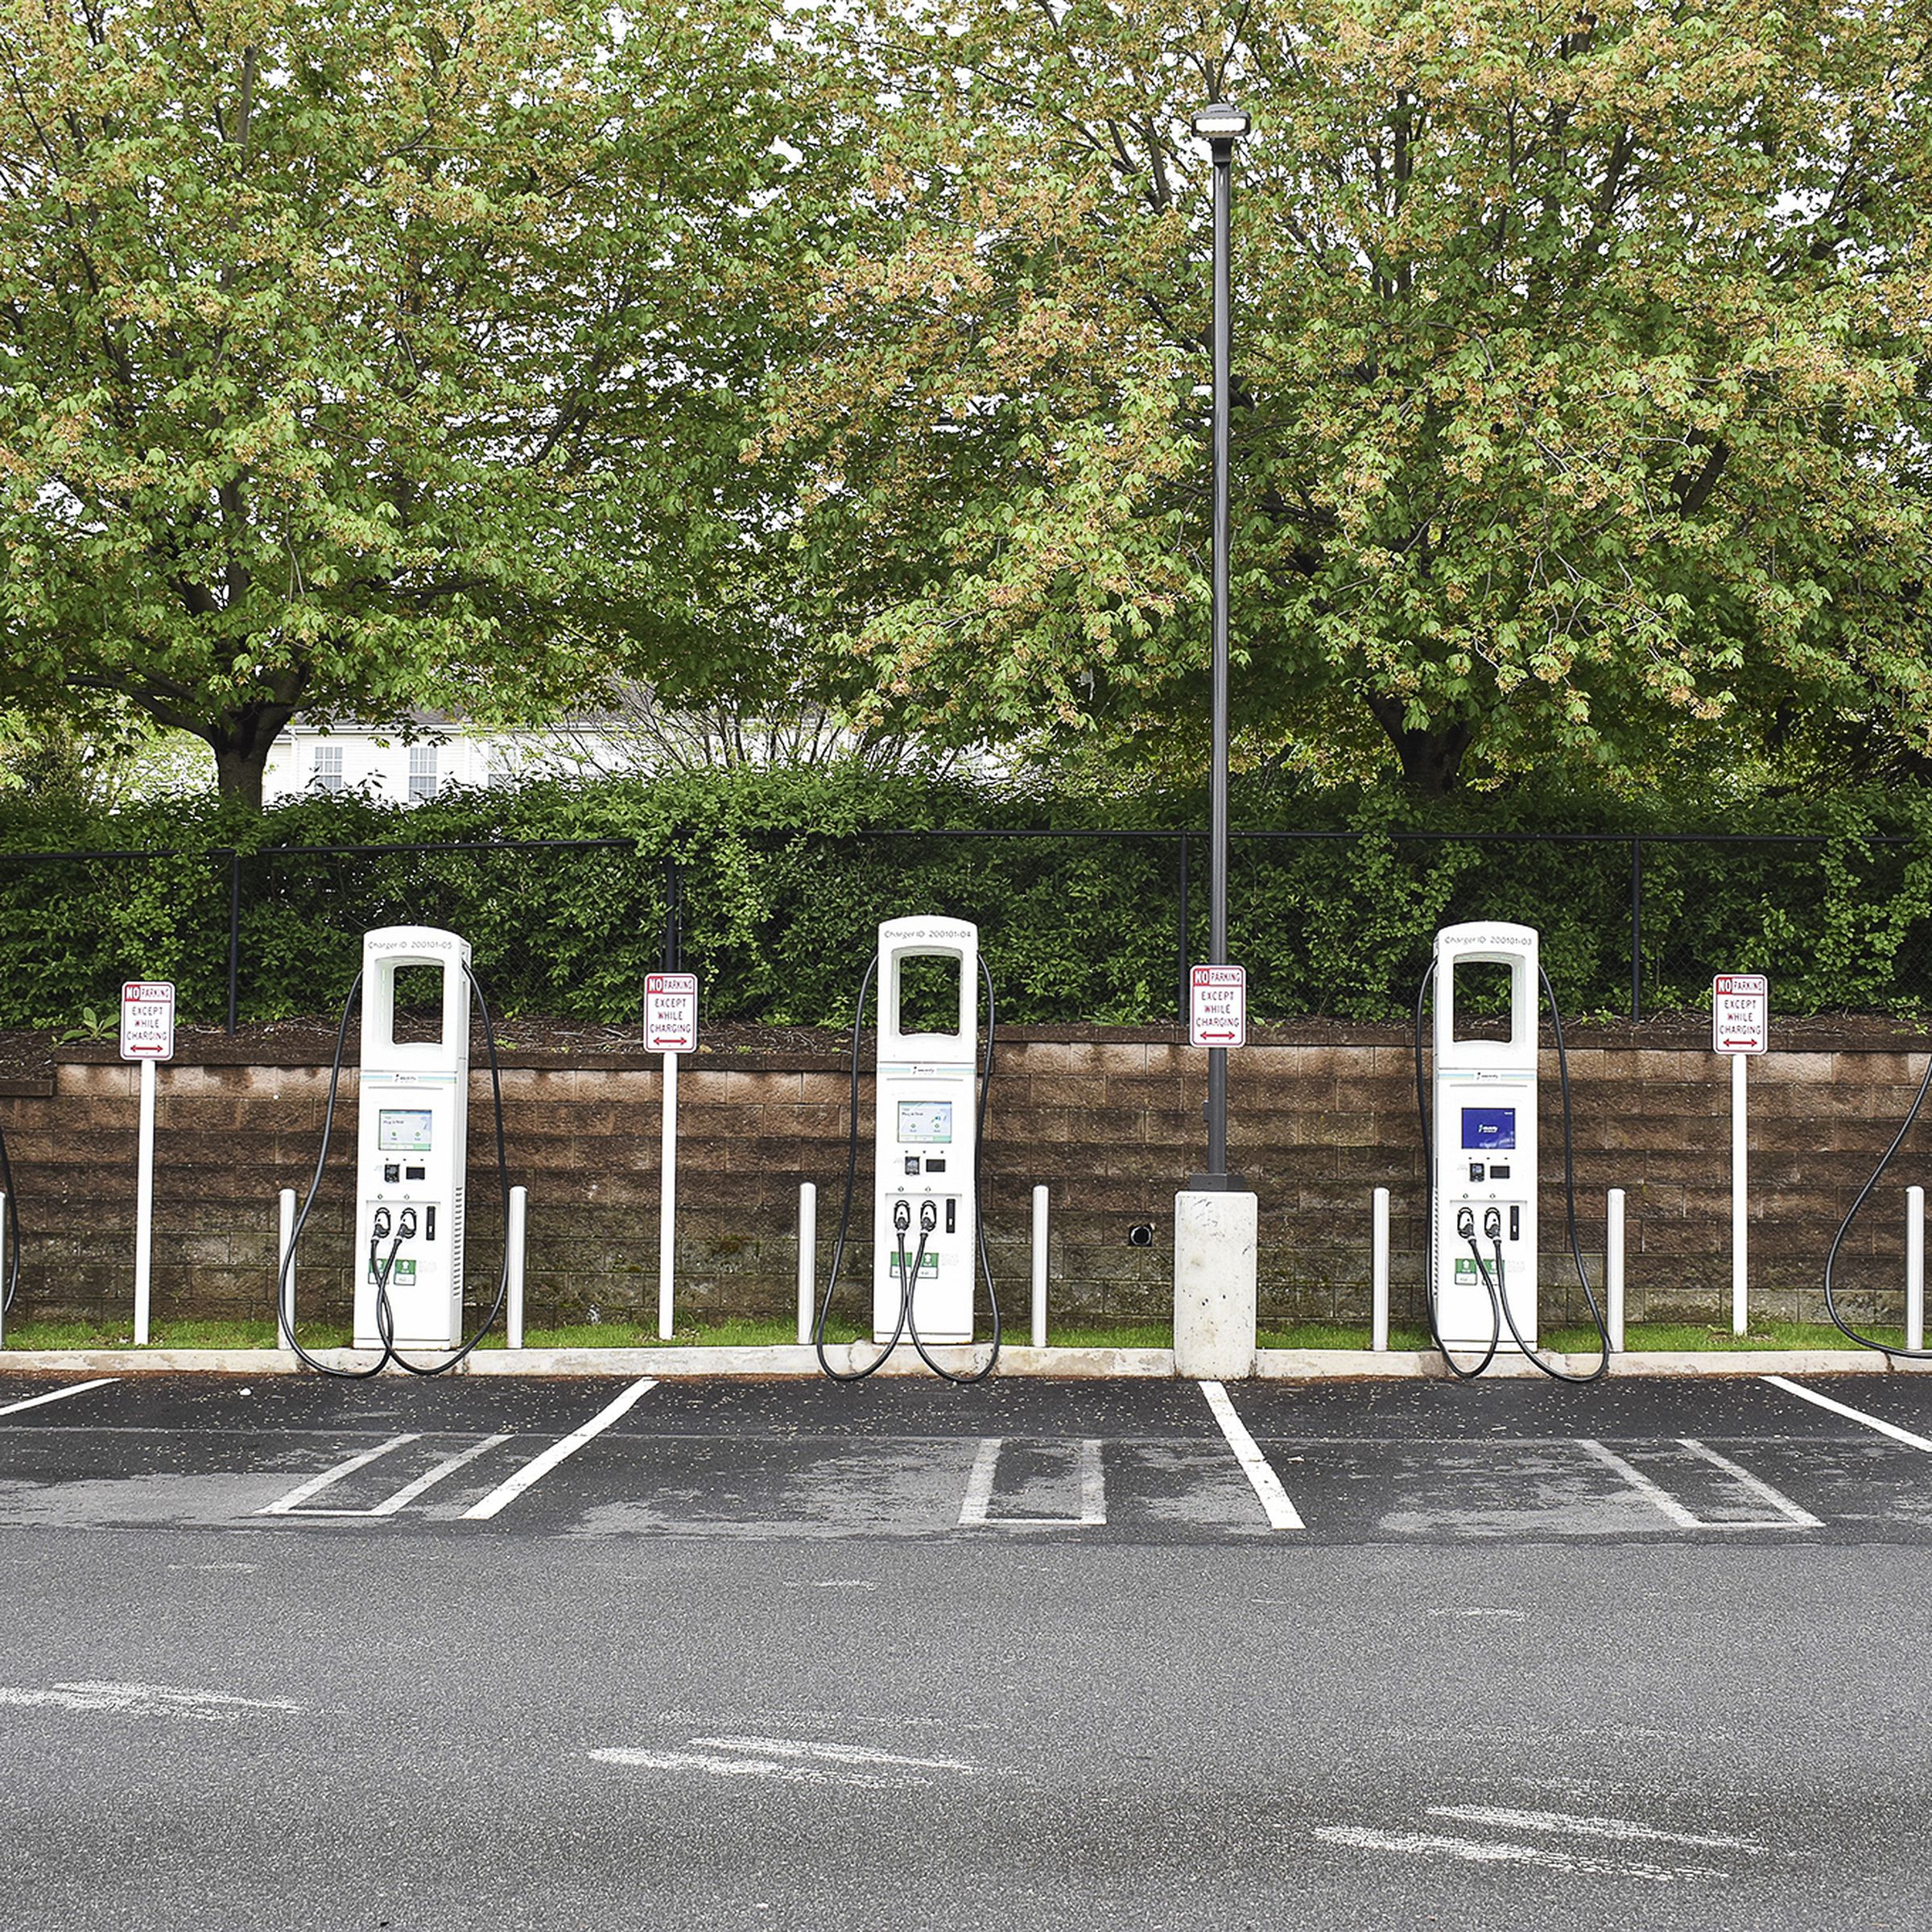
1111, 1122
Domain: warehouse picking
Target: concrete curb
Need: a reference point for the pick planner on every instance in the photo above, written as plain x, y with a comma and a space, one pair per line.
1066, 1364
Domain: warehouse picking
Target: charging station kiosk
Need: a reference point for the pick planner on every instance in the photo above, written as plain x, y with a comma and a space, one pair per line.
412, 1146
1484, 1130
925, 1139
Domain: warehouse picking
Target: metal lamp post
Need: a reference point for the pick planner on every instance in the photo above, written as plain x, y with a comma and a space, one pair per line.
1220, 126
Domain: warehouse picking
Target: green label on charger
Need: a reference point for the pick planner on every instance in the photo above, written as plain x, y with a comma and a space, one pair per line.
901, 1264
1468, 1275
401, 1270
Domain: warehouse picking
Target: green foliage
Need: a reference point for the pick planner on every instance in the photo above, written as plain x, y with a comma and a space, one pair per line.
369, 354
1580, 392
778, 879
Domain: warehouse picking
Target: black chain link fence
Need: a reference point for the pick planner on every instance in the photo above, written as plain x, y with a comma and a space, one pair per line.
1094, 926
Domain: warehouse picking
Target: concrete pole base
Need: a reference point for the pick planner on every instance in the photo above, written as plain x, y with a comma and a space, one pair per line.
1214, 1243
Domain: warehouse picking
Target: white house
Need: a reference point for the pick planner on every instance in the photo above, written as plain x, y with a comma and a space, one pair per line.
316, 755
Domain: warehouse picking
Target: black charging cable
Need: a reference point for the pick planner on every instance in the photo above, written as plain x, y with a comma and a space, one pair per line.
1844, 1227
9, 1261
385, 1312
979, 1145
908, 1282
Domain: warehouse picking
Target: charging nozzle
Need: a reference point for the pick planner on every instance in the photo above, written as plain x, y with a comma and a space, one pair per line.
1465, 1224
901, 1215
929, 1216
405, 1223
1492, 1223
379, 1227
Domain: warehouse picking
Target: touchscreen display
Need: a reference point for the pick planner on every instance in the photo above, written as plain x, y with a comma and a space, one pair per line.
402, 1130
928, 1121
1490, 1130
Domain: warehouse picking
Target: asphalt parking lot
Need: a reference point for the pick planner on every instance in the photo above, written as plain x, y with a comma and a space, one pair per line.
565, 1653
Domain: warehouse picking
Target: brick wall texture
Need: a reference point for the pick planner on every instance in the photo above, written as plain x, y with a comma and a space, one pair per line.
1110, 1123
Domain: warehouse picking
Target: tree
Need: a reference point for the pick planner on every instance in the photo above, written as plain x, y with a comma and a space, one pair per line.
1581, 363
358, 355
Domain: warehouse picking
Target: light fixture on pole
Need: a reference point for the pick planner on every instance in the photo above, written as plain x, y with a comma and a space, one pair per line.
1220, 126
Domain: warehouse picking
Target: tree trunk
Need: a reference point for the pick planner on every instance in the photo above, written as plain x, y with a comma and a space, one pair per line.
1432, 757
241, 742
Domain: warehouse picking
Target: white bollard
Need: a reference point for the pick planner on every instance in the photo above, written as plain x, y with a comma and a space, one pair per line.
515, 1231
1613, 1270
285, 1272
808, 1260
1378, 1275
1915, 1267
1040, 1267
1217, 1246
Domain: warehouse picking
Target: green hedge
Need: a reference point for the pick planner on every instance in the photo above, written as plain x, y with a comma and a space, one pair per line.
782, 877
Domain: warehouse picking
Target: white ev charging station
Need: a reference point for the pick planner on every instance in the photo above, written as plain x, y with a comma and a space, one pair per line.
1484, 1131
412, 1147
924, 1197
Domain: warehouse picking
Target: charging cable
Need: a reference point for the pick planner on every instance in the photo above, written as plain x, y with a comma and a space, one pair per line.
405, 1225
1844, 1227
9, 1261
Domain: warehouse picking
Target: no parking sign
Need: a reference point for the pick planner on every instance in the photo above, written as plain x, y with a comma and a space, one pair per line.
147, 1020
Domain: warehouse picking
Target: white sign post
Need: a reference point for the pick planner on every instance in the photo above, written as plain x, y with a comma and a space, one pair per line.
147, 1034
1740, 1025
671, 1028
1217, 1007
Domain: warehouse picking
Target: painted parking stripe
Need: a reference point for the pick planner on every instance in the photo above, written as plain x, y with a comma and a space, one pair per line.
1486, 1852
538, 1466
1628, 1829
1281, 1514
1845, 1409
1754, 1485
1789, 1517
393, 1505
1650, 1491
287, 1505
59, 1395
979, 1493
831, 1754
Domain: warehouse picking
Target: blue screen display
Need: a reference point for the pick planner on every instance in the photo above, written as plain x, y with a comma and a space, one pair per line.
1490, 1130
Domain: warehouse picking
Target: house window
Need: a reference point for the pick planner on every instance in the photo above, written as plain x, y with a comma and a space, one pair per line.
326, 774
422, 773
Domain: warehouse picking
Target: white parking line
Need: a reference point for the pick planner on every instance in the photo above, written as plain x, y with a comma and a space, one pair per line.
59, 1395
718, 1766
287, 1505
831, 1754
1803, 1519
1482, 1852
978, 1484
1789, 1517
1281, 1514
1857, 1415
393, 1505
1630, 1830
538, 1466
979, 1493
1650, 1491
143, 1700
